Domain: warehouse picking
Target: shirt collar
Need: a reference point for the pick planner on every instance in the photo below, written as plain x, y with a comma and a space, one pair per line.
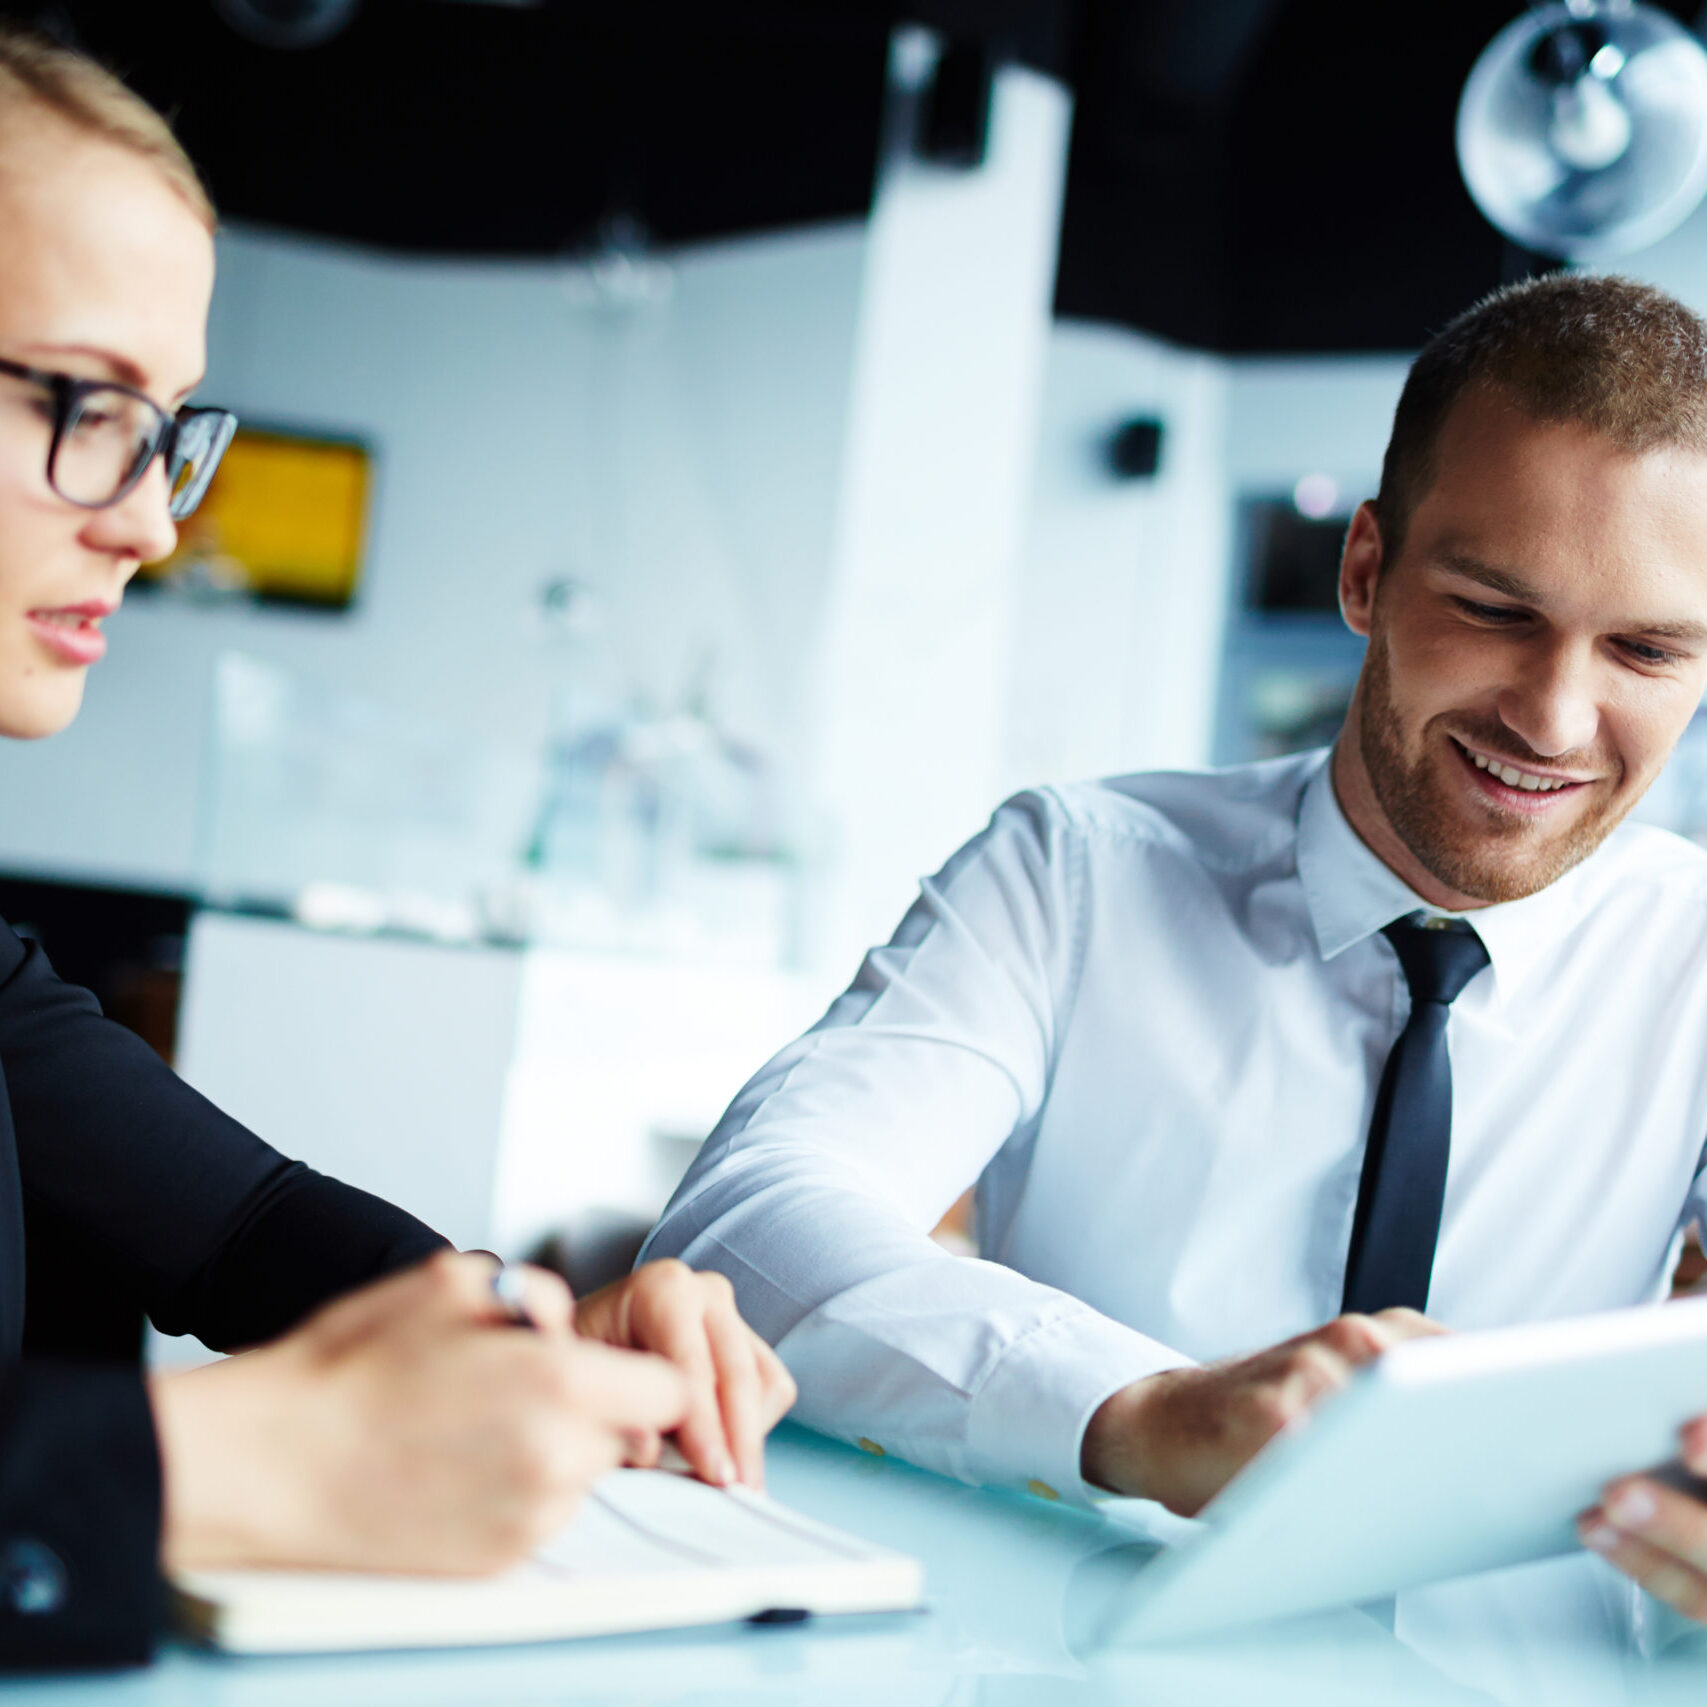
1351, 894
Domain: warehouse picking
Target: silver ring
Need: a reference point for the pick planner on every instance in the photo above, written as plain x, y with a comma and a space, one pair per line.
509, 1287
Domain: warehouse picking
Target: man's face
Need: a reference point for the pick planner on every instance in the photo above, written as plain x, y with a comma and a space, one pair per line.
105, 273
1535, 650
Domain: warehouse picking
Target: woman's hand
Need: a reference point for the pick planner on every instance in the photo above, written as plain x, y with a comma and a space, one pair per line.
405, 1427
737, 1387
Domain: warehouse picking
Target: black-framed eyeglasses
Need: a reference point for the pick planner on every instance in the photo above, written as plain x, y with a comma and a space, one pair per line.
106, 435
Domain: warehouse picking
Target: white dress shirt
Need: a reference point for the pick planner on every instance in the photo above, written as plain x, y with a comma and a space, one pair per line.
1148, 1017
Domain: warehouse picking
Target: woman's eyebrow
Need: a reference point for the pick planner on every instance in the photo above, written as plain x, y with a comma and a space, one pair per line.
125, 372
117, 367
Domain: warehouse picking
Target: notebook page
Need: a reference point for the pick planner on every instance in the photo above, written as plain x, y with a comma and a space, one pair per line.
647, 1520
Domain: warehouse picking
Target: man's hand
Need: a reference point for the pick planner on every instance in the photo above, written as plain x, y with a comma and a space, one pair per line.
1180, 1437
1657, 1534
737, 1387
402, 1428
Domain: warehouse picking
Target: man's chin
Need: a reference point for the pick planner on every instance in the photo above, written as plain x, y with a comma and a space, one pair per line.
1502, 863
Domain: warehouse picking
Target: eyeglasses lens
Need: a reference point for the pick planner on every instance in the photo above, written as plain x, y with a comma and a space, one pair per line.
107, 439
201, 441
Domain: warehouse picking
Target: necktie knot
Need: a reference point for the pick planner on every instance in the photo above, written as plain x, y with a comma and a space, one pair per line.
1437, 961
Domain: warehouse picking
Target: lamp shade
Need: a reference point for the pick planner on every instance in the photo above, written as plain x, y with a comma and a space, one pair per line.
1582, 130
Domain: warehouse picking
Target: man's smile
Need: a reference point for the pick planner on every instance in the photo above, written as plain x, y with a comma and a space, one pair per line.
1516, 786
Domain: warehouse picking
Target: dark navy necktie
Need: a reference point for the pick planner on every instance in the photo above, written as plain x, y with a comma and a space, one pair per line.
1410, 1137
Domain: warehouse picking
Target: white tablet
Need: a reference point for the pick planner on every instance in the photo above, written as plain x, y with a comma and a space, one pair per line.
1445, 1456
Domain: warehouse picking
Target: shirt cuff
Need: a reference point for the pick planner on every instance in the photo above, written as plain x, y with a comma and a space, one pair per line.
1027, 1422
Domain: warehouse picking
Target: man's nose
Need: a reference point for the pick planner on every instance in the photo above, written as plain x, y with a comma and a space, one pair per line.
140, 525
1554, 708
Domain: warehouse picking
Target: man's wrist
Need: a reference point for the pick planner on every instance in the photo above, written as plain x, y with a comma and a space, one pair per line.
1116, 1451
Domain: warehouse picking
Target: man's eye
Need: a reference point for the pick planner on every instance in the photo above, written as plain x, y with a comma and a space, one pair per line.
1487, 613
1643, 653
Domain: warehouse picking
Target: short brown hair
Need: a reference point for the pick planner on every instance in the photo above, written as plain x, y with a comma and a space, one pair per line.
1619, 357
35, 72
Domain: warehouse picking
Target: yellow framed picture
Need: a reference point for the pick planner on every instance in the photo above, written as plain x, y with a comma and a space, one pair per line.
285, 520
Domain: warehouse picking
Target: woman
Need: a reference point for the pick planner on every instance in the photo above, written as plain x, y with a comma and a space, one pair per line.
388, 1419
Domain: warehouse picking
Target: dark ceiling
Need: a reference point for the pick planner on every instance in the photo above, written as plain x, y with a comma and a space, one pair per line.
1246, 175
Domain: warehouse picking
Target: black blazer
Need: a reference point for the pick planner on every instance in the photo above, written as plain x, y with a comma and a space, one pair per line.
124, 1193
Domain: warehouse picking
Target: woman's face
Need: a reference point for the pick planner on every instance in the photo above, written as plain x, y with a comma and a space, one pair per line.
105, 273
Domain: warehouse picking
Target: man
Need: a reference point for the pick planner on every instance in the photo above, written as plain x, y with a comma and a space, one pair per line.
1189, 1033
407, 1426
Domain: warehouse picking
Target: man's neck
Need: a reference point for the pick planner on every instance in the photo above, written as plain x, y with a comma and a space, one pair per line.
1355, 792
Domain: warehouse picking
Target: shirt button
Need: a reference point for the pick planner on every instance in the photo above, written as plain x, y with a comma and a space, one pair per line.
1042, 1490
870, 1446
32, 1578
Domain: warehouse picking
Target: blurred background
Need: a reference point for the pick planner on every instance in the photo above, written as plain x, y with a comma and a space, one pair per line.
698, 460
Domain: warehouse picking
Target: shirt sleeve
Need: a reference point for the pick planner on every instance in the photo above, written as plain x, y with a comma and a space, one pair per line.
817, 1191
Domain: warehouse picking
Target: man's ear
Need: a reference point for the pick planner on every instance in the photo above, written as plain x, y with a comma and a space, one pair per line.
1360, 569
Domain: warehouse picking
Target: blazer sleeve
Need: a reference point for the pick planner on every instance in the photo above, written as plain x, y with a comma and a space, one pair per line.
214, 1232
79, 1517
138, 1196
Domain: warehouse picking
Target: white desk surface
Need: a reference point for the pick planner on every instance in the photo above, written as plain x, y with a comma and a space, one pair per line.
1011, 1583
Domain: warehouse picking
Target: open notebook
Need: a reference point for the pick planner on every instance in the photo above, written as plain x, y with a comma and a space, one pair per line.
648, 1550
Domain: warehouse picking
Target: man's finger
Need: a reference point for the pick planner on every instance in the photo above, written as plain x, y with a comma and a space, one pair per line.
1661, 1516
1404, 1323
1356, 1339
1662, 1574
1694, 1439
1312, 1373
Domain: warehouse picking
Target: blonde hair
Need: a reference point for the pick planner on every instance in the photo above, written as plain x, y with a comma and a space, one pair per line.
38, 73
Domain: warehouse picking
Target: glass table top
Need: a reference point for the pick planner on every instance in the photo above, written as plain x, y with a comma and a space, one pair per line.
1016, 1589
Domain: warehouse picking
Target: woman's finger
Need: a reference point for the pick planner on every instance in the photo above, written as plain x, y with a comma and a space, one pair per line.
776, 1384
642, 1449
670, 1320
536, 1294
740, 1394
623, 1390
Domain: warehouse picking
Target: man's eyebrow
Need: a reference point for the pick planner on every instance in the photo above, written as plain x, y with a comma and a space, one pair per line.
1515, 587
1486, 575
1692, 632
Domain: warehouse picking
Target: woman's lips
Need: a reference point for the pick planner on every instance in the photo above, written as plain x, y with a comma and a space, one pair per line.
72, 632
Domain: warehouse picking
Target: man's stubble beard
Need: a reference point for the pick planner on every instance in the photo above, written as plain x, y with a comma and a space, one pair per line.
1491, 862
